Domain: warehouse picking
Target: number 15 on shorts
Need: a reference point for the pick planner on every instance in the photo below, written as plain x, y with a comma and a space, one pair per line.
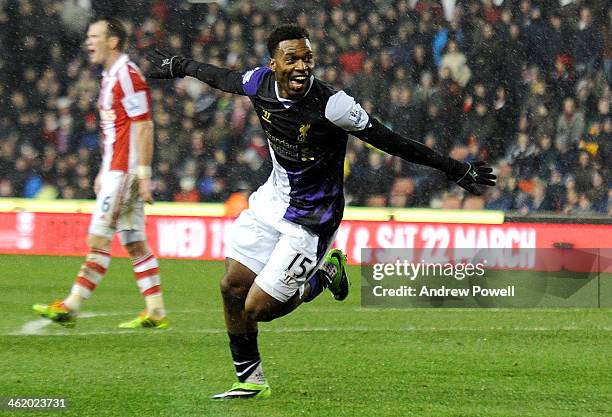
298, 266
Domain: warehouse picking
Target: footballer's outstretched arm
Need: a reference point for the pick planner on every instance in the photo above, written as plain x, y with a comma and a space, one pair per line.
346, 113
166, 66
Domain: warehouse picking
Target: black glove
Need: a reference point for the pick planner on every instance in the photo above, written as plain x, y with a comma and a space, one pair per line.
468, 175
166, 66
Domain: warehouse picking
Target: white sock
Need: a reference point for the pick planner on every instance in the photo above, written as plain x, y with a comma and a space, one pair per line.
89, 277
73, 302
155, 306
257, 376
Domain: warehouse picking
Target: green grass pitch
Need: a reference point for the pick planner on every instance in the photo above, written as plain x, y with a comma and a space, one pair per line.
325, 359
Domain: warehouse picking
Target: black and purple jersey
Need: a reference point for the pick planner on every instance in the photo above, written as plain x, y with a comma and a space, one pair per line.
307, 140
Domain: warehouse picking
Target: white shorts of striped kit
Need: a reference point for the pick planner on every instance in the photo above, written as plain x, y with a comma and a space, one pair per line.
119, 209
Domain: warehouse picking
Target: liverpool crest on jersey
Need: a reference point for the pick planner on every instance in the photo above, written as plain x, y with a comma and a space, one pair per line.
303, 132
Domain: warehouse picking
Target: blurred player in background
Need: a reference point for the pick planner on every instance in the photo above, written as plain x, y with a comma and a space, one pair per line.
123, 183
278, 244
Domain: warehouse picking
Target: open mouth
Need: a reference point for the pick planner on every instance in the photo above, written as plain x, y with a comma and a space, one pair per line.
298, 82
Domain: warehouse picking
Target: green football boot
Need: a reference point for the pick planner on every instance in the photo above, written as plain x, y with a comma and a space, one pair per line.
339, 283
56, 312
244, 390
144, 321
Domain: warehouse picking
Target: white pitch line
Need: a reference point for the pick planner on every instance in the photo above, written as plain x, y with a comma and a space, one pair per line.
38, 327
33, 327
310, 330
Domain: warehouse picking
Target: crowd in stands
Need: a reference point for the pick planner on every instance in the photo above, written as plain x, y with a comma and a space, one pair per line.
523, 84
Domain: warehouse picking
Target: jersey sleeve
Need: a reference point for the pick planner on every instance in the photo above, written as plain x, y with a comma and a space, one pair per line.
231, 81
343, 111
136, 98
252, 79
383, 138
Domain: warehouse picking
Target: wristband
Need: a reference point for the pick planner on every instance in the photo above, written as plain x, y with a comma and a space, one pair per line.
143, 172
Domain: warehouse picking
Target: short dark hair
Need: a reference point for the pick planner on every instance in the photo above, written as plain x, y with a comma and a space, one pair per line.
114, 27
285, 33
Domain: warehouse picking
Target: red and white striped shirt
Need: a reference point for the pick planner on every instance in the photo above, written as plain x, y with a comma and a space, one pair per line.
124, 99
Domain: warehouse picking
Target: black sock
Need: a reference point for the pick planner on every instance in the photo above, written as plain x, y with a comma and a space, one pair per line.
244, 353
317, 282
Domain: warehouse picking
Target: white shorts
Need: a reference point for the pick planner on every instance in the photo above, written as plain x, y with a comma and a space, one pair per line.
282, 254
118, 208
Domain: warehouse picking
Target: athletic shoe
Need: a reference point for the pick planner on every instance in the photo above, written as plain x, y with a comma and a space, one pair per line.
339, 285
56, 312
244, 390
144, 321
